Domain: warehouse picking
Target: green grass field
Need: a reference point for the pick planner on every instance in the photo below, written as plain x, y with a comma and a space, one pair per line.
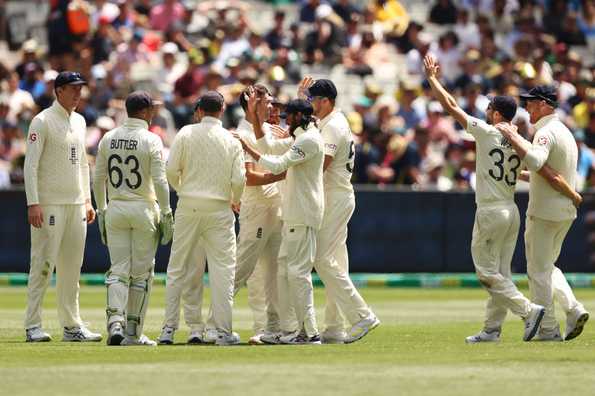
418, 350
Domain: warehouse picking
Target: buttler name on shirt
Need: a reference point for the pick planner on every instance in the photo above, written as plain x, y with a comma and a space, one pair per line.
123, 144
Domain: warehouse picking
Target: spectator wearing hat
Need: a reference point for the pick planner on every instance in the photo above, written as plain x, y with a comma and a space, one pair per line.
30, 55
127, 16
550, 214
58, 197
171, 68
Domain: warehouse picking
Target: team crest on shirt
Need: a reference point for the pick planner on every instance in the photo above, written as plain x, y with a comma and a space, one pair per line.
542, 140
33, 137
52, 220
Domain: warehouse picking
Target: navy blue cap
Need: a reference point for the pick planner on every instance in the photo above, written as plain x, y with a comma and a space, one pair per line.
138, 101
542, 92
69, 78
323, 88
298, 106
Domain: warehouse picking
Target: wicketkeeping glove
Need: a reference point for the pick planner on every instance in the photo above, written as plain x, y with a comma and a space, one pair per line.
166, 227
101, 225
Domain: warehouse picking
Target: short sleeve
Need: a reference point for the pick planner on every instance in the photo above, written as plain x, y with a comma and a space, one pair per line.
477, 127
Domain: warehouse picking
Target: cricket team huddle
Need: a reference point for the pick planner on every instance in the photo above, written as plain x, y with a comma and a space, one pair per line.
289, 182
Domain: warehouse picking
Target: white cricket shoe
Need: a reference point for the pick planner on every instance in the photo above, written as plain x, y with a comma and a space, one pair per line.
224, 339
167, 335
255, 340
361, 328
484, 336
142, 340
334, 337
36, 334
211, 336
300, 338
575, 322
80, 334
195, 337
533, 321
115, 334
271, 338
549, 335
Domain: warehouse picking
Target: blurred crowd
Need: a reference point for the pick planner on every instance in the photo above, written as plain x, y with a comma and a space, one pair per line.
179, 49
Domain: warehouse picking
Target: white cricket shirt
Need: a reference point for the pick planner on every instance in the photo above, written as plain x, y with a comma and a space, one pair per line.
206, 165
56, 167
303, 196
255, 194
553, 144
129, 160
497, 164
339, 144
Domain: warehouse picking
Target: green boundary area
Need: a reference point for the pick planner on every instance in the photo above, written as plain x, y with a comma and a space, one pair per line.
418, 280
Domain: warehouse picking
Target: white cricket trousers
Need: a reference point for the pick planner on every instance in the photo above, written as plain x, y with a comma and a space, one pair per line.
132, 239
192, 293
494, 238
543, 243
294, 278
259, 242
332, 263
59, 244
214, 230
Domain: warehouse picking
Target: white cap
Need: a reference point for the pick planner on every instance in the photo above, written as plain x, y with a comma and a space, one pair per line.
424, 38
30, 45
106, 123
435, 107
169, 48
98, 71
50, 75
323, 10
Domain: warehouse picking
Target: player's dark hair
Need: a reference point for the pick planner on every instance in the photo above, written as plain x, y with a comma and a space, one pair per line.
260, 90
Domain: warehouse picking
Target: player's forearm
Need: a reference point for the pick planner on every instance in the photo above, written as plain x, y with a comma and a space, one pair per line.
557, 182
258, 130
252, 152
446, 100
261, 179
162, 193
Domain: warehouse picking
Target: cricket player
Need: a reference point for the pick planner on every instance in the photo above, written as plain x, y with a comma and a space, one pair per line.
303, 209
129, 161
497, 218
332, 259
259, 239
206, 167
59, 209
192, 293
550, 214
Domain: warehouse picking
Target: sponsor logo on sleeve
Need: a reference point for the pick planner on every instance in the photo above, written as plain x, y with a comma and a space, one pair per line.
33, 137
542, 140
331, 146
298, 151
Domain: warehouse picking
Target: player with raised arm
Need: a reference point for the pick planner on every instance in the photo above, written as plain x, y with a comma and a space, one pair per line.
332, 262
59, 209
497, 217
206, 167
130, 164
550, 214
303, 209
